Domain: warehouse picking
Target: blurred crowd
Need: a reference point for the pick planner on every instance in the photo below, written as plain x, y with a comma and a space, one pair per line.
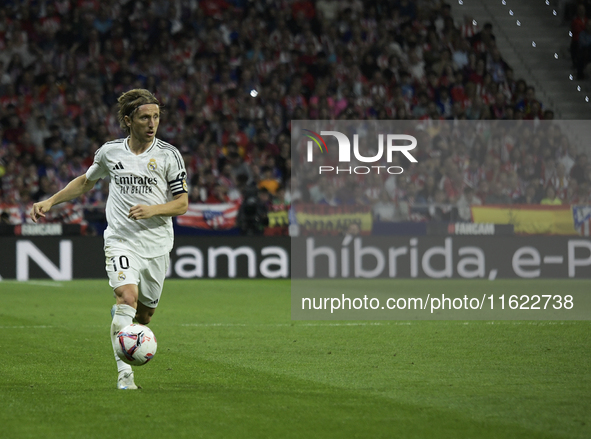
460, 164
232, 74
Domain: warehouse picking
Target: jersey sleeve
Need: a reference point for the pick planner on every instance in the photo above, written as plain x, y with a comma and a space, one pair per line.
98, 169
176, 174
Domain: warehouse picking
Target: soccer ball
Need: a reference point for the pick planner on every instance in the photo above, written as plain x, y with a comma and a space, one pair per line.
136, 344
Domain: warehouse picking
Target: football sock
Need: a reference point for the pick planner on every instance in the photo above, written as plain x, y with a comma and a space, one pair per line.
122, 317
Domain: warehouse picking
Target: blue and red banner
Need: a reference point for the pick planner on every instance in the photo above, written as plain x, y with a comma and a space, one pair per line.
210, 216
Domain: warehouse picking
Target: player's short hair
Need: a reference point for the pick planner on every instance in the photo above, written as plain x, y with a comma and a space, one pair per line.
130, 101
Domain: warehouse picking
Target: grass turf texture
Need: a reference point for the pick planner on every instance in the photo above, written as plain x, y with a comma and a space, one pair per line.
231, 363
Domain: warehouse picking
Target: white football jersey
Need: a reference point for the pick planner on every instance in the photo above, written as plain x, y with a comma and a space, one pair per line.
150, 178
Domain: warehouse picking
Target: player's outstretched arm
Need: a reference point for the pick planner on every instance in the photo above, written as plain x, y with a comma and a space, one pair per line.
178, 206
75, 188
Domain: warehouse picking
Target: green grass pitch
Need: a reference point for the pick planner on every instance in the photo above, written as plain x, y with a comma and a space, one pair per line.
231, 364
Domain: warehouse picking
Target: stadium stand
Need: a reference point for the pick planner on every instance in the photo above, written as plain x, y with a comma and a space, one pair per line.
232, 74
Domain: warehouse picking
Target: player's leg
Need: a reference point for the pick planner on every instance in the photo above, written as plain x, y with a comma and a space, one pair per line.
152, 277
127, 295
123, 278
125, 311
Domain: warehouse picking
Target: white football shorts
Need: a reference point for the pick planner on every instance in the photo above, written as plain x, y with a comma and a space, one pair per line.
125, 267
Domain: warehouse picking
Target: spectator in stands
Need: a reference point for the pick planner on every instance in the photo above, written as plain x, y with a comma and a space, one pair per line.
427, 192
38, 129
14, 129
440, 209
498, 109
513, 186
568, 155
560, 181
330, 196
577, 172
317, 189
293, 192
385, 209
406, 205
239, 167
55, 150
465, 202
4, 218
253, 212
195, 195
551, 199
358, 197
529, 168
353, 230
529, 197
583, 194
328, 9
280, 201
496, 66
43, 190
373, 187
496, 195
529, 104
218, 195
268, 181
453, 184
484, 39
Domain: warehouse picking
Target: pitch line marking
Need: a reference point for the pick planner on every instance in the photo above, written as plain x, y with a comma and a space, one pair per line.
41, 283
290, 324
25, 327
391, 323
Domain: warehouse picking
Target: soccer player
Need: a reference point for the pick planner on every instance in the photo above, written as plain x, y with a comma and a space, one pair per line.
147, 188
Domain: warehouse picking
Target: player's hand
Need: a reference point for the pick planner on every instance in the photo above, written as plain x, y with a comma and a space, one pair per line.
39, 209
140, 211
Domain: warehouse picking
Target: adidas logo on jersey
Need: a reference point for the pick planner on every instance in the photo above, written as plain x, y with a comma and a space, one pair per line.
119, 166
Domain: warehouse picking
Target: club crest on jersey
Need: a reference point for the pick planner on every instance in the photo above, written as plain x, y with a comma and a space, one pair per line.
152, 165
121, 276
185, 185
